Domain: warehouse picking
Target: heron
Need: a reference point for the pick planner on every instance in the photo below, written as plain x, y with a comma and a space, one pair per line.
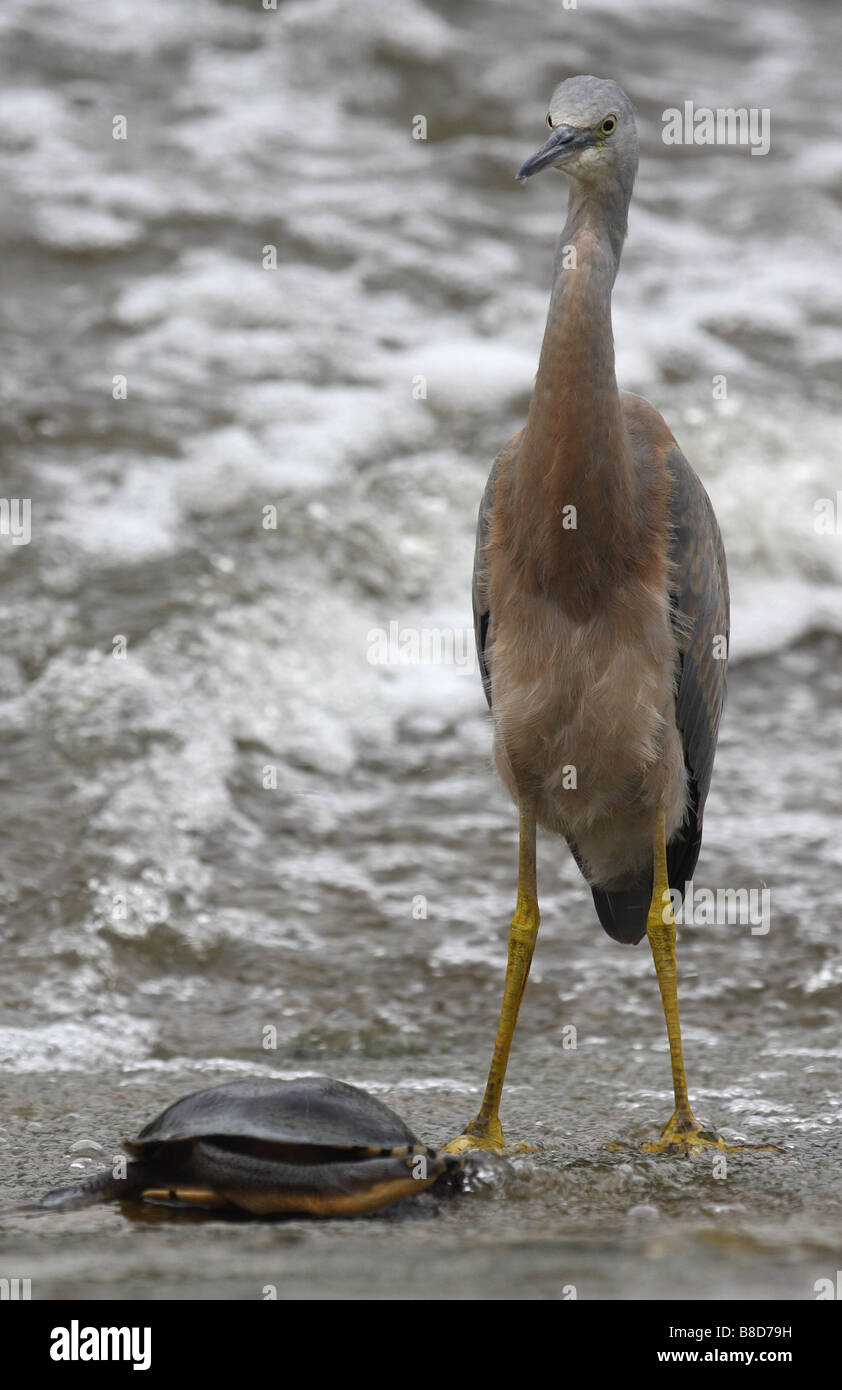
601, 609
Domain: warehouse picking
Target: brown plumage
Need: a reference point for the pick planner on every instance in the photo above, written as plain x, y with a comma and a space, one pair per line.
596, 641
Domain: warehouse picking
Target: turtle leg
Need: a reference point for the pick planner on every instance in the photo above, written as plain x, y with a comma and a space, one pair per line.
682, 1133
100, 1187
486, 1132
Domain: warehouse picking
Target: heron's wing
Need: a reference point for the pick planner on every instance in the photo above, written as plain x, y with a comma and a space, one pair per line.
479, 586
701, 620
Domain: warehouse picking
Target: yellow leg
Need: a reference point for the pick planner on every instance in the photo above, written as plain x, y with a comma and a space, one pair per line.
486, 1132
682, 1132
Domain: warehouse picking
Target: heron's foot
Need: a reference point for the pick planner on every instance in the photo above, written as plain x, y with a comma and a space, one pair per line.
488, 1135
479, 1134
682, 1135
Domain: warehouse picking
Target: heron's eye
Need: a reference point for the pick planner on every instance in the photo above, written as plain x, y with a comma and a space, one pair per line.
549, 120
609, 125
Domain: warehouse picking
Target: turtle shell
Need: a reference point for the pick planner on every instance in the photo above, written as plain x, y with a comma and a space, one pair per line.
313, 1146
312, 1110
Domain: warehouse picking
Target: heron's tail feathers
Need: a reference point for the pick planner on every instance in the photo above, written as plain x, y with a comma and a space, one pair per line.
623, 912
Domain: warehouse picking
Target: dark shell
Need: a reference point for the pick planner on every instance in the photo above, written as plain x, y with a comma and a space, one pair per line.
312, 1110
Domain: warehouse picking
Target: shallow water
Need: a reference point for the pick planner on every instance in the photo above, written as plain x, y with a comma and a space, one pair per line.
238, 827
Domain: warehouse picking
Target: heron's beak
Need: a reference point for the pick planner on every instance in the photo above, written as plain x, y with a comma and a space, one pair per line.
563, 145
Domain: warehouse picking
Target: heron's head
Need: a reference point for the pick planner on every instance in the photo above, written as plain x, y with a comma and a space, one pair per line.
593, 136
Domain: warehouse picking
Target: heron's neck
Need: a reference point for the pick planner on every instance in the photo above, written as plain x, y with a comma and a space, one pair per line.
574, 484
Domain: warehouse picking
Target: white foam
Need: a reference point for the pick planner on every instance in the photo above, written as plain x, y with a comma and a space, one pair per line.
469, 374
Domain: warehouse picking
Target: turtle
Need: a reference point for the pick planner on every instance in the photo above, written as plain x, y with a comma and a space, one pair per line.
312, 1145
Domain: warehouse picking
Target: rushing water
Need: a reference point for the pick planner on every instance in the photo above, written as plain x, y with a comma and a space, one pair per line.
224, 824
